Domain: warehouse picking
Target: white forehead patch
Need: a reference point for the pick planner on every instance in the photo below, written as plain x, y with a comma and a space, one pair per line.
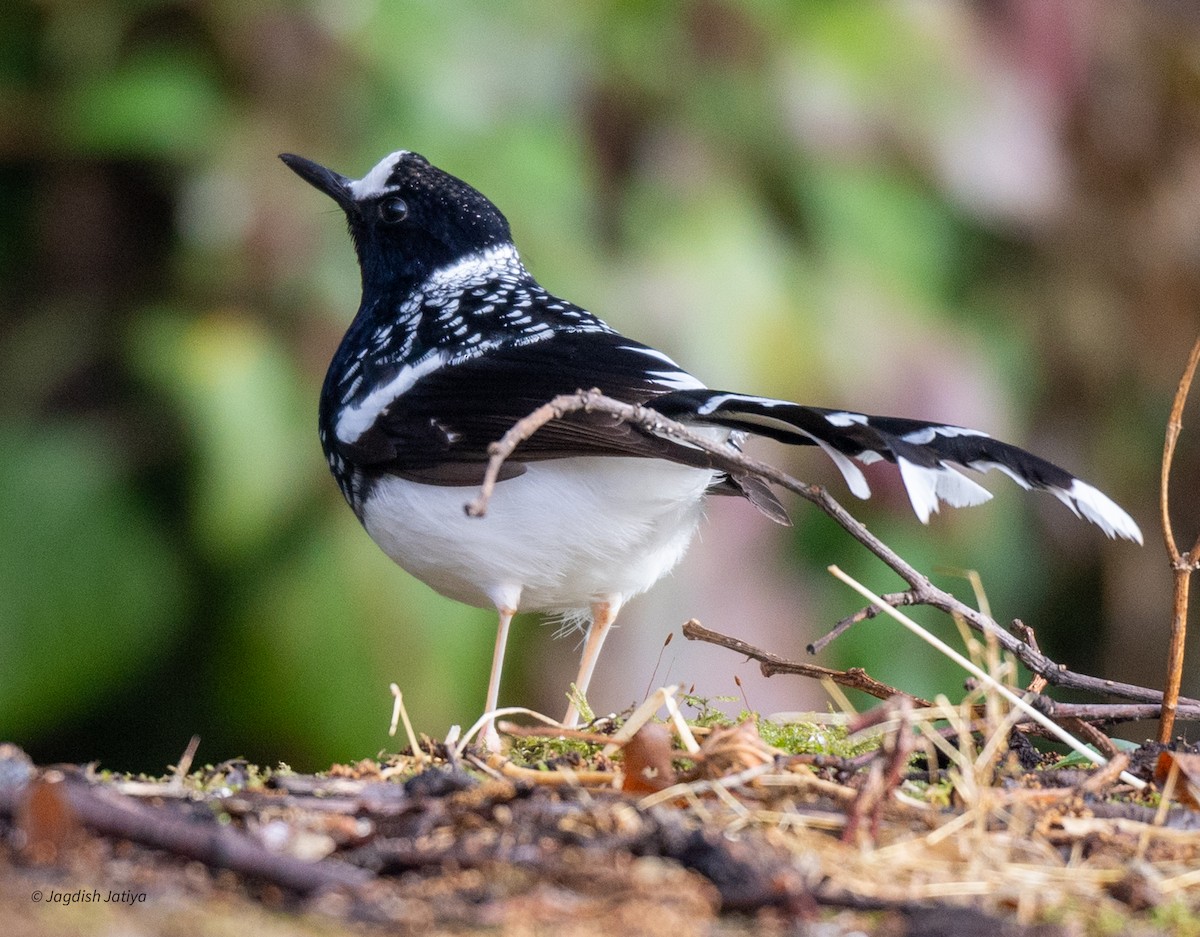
375, 182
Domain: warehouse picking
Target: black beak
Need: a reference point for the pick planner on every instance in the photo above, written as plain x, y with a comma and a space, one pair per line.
336, 186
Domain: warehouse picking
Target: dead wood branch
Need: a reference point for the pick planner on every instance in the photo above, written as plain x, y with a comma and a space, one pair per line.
894, 599
921, 589
1182, 565
770, 664
203, 839
1112, 712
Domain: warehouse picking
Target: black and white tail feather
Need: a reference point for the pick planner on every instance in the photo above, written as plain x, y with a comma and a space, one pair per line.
928, 455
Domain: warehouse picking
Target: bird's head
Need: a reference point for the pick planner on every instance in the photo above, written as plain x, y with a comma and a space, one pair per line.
407, 217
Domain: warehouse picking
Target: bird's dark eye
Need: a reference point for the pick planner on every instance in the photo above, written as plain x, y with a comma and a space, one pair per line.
393, 210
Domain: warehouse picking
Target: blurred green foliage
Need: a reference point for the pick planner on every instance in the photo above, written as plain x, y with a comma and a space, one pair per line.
939, 211
92, 586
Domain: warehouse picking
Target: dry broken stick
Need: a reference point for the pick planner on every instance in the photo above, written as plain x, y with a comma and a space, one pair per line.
1182, 565
923, 591
770, 664
108, 813
894, 599
1112, 712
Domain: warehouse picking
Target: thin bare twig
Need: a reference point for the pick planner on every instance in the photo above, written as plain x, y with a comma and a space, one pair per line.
1038, 683
894, 599
923, 591
1182, 565
770, 664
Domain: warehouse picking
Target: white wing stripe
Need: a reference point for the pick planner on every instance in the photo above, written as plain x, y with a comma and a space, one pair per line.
354, 421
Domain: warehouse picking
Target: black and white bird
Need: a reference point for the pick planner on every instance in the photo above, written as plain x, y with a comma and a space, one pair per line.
454, 341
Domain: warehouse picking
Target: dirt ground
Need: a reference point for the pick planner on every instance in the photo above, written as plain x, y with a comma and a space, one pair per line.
739, 837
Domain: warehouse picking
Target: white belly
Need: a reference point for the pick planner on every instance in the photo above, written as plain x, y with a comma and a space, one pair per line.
563, 534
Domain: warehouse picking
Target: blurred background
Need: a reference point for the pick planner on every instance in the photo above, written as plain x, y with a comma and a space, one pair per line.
986, 213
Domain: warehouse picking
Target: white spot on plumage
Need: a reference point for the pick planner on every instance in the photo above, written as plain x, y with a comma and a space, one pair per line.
712, 403
855, 480
1100, 509
498, 262
921, 484
957, 490
717, 401
650, 353
354, 386
845, 418
925, 435
675, 380
981, 465
927, 485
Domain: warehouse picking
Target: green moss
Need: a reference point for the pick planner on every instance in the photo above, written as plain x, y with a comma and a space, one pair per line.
550, 753
1176, 918
812, 738
708, 715
795, 738
939, 794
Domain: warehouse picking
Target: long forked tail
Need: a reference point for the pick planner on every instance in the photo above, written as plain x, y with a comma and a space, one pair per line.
929, 455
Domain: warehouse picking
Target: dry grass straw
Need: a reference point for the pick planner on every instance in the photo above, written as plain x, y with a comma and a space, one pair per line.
1010, 845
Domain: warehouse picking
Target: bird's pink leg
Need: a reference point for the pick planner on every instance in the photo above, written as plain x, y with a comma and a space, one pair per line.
604, 613
490, 737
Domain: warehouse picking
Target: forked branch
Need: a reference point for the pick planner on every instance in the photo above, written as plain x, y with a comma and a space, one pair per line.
1182, 565
770, 664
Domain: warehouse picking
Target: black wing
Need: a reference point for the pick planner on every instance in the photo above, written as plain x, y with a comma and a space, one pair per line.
438, 430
